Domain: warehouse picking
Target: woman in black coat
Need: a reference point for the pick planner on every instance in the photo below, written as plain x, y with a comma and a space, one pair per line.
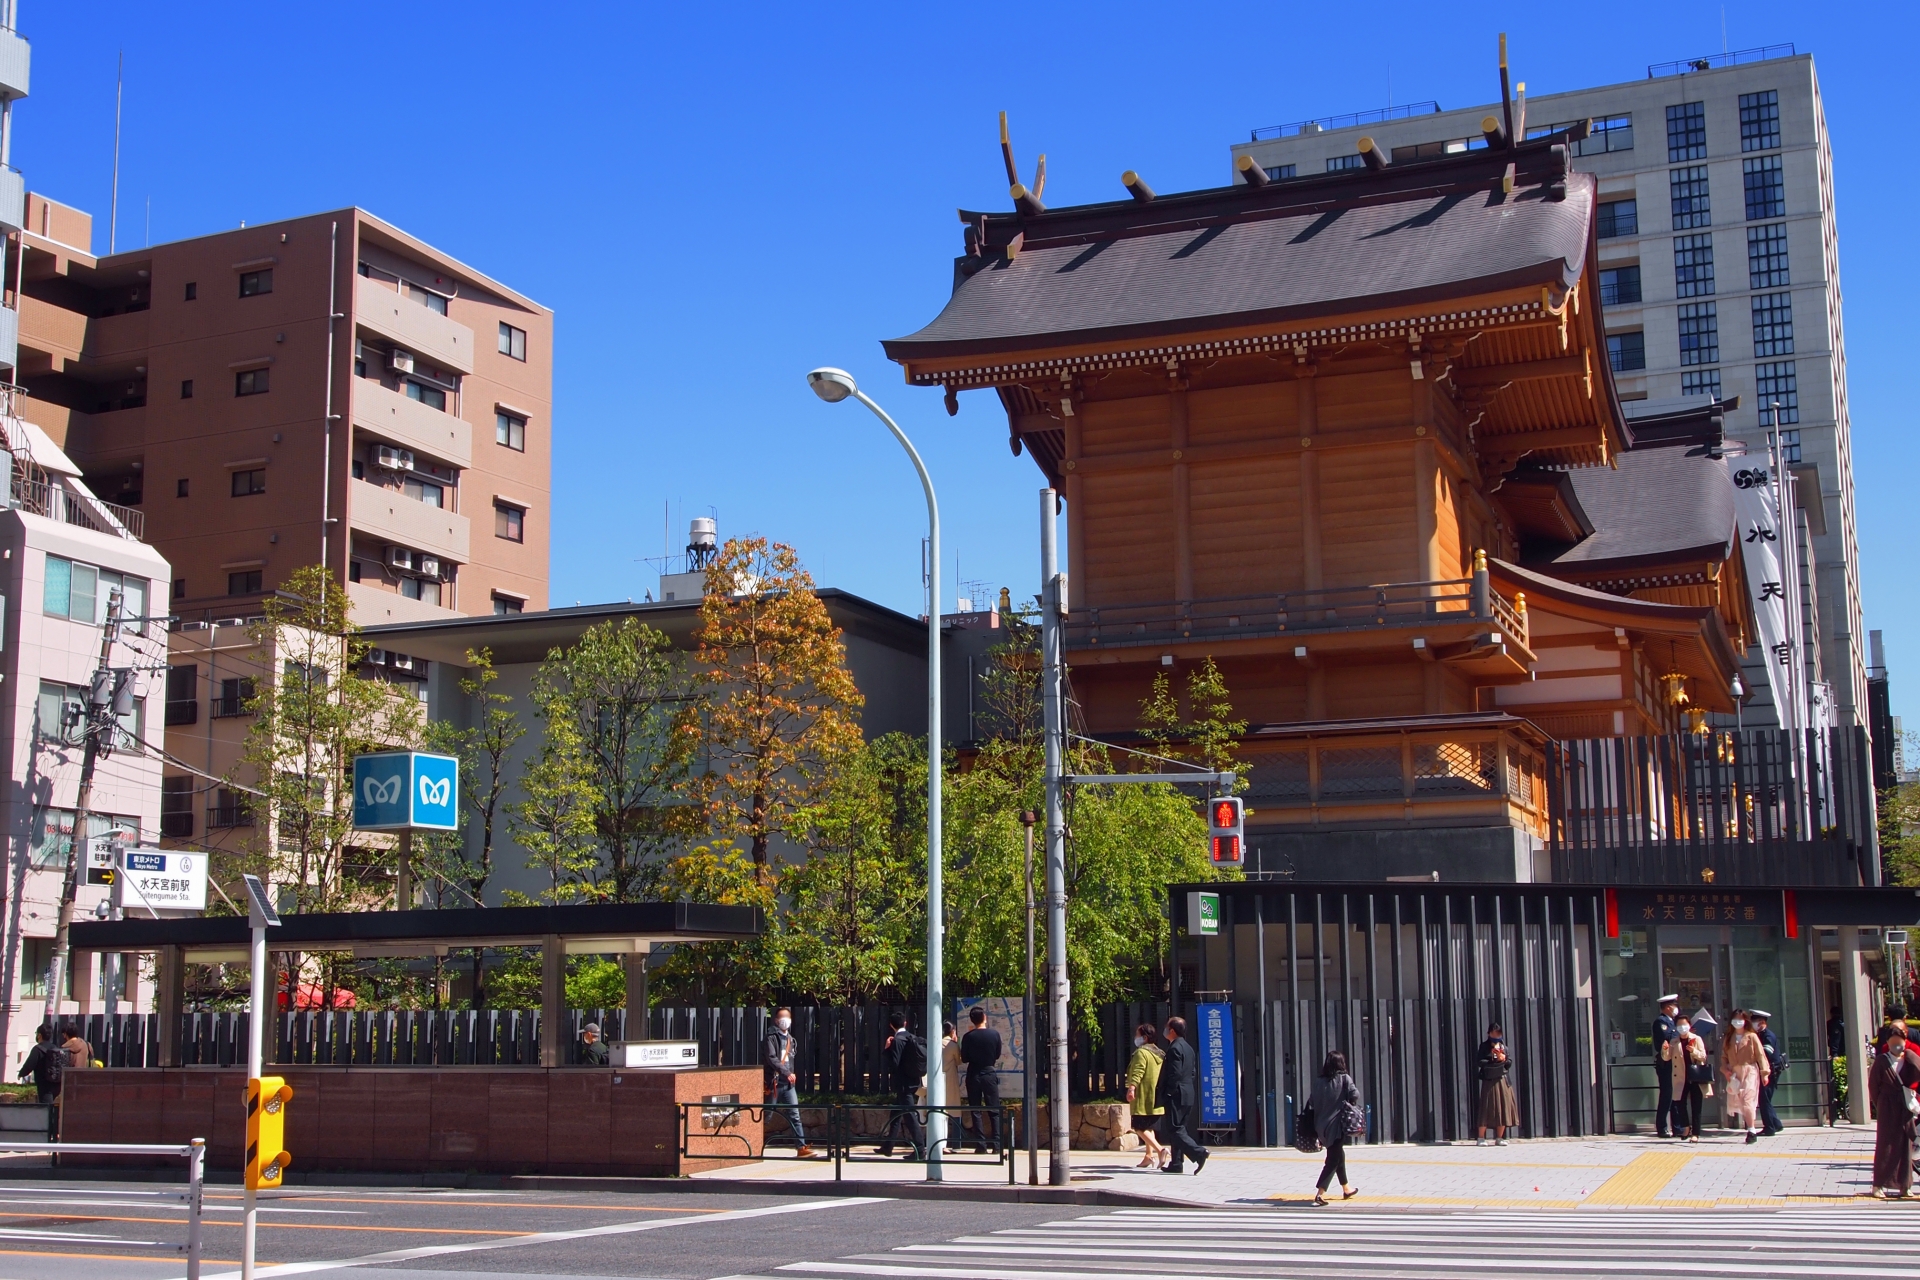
1499, 1109
1337, 1115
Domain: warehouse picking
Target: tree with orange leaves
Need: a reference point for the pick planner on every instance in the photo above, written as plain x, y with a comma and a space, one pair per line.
785, 713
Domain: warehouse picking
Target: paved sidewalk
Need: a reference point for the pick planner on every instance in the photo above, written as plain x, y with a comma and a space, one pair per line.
1800, 1166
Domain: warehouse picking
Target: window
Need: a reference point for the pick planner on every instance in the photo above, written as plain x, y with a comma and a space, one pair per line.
1699, 333
1775, 384
1766, 187
1789, 445
1275, 172
253, 283
51, 845
1611, 133
82, 592
1687, 132
1689, 193
250, 382
183, 693
513, 342
1617, 218
1767, 256
248, 483
510, 431
509, 522
180, 487
179, 588
1760, 120
235, 694
186, 388
1337, 163
244, 582
428, 298
176, 807
1692, 266
193, 290
503, 606
229, 809
1620, 286
1627, 351
1772, 324
1700, 382
420, 589
61, 707
423, 491
432, 397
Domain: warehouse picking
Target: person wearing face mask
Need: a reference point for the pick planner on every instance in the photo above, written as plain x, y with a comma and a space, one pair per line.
1690, 1077
1743, 1065
1662, 1037
1499, 1109
1889, 1084
778, 1055
1143, 1084
1776, 1066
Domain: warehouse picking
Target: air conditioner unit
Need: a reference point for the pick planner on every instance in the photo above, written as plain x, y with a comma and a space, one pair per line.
400, 557
393, 459
377, 657
430, 566
400, 361
402, 662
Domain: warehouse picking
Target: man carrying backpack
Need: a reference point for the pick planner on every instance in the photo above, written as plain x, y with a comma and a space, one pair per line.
906, 1060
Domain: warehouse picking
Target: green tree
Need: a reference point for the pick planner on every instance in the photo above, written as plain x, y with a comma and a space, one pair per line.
749, 973
554, 819
1207, 733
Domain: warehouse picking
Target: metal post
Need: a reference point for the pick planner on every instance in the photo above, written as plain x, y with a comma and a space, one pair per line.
196, 1181
1060, 1167
403, 874
1030, 1074
1856, 1014
255, 1065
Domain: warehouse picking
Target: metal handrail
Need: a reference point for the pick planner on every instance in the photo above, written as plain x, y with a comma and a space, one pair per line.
194, 1153
716, 1117
1377, 116
1378, 605
57, 502
1734, 59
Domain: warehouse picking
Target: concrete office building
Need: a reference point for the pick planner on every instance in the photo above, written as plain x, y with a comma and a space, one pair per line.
407, 442
1719, 276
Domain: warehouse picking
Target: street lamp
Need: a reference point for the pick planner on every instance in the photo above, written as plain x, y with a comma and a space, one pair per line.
833, 386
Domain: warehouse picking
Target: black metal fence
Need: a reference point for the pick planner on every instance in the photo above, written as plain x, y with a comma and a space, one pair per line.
1759, 806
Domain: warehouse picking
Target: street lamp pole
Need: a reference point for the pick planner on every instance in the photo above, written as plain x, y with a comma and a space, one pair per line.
833, 386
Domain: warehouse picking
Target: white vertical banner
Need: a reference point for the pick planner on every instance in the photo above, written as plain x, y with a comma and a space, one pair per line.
1764, 545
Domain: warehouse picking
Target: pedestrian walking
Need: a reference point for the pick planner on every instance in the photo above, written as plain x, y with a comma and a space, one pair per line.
79, 1052
1336, 1110
1663, 1034
1143, 1083
593, 1050
779, 1055
1890, 1084
46, 1065
1499, 1109
1743, 1065
1177, 1092
1690, 1077
906, 1061
980, 1051
1776, 1067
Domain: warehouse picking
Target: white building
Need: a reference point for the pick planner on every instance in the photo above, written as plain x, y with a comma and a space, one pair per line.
1719, 274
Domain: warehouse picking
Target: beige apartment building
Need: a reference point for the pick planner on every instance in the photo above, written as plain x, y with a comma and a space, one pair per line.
405, 442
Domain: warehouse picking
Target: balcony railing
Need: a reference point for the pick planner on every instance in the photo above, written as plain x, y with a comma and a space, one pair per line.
1394, 604
1712, 61
221, 817
1379, 115
57, 502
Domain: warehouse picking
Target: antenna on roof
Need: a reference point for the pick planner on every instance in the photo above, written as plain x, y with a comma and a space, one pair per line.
1506, 93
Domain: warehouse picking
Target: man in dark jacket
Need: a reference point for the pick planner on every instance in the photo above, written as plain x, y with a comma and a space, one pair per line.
1177, 1092
1776, 1063
1664, 1032
980, 1053
593, 1050
906, 1060
46, 1065
777, 1054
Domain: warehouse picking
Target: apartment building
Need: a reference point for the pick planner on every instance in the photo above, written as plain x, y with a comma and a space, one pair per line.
406, 442
1719, 277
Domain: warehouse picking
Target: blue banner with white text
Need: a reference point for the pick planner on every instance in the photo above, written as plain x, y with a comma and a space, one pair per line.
1219, 1072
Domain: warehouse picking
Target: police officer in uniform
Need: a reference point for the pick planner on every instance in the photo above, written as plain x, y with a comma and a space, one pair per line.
1664, 1032
1776, 1063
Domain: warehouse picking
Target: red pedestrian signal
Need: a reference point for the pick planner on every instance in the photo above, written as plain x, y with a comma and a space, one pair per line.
1226, 830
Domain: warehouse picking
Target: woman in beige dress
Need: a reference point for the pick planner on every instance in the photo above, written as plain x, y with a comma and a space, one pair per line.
1684, 1052
1743, 1065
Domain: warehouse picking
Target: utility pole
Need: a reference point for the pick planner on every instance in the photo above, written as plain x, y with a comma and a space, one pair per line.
1029, 1072
1052, 605
98, 720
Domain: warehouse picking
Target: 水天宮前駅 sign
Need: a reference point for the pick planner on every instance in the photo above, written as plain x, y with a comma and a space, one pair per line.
405, 791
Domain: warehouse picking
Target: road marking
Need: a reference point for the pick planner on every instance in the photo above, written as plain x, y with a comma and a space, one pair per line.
549, 1237
502, 1204
1643, 1179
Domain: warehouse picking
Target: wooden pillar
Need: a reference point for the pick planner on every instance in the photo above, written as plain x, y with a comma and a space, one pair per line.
553, 1001
1309, 416
169, 1001
1076, 518
1182, 498
1426, 498
634, 966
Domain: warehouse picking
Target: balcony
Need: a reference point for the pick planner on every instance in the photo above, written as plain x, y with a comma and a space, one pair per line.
390, 515
372, 607
56, 502
226, 817
13, 199
412, 425
16, 62
409, 324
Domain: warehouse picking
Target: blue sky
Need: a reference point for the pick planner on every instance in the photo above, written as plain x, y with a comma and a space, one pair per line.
715, 200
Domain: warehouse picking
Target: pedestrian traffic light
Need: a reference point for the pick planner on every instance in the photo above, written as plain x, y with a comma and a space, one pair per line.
1226, 828
266, 1131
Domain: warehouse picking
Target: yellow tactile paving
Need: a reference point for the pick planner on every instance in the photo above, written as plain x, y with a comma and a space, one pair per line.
1643, 1178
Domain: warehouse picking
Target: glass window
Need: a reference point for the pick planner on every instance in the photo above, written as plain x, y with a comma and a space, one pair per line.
1789, 445
1276, 172
1775, 384
428, 298
1692, 266
1617, 218
1620, 286
1699, 333
1687, 132
505, 605
59, 711
1700, 382
256, 282
193, 290
250, 382
513, 342
509, 522
1772, 324
248, 483
1627, 351
1760, 120
59, 587
1335, 164
1689, 194
432, 397
246, 582
1766, 187
423, 491
420, 589
186, 388
510, 431
1767, 256
1609, 133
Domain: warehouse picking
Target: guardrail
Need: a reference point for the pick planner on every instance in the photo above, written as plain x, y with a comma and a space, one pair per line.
194, 1153
714, 1119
